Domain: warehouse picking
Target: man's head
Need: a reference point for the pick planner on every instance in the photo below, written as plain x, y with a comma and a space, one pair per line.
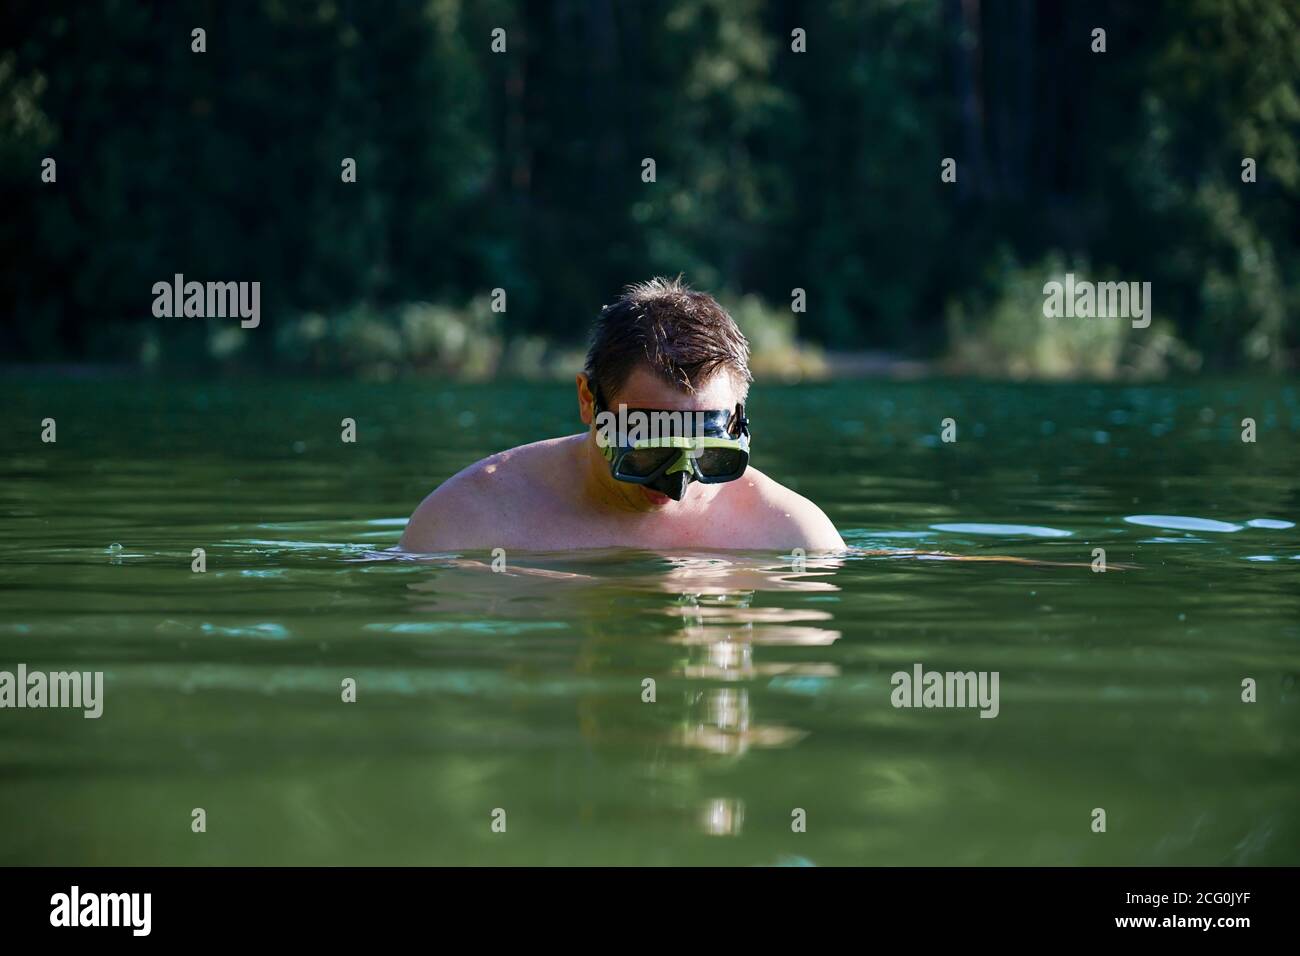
662, 345
681, 336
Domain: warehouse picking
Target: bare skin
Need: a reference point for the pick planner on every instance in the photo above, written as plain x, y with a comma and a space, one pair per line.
558, 495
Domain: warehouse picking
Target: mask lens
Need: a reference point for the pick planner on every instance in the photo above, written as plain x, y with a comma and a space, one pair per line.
641, 462
719, 461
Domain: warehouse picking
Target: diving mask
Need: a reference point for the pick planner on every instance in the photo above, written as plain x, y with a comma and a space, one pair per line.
667, 450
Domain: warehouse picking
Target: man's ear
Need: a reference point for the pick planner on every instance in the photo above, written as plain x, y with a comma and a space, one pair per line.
586, 400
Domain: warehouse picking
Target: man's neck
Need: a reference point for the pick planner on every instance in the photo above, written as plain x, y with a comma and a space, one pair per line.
594, 491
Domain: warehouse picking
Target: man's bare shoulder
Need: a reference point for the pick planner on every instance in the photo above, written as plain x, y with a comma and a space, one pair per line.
791, 515
479, 505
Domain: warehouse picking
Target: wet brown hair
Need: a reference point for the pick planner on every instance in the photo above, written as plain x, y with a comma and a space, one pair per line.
684, 336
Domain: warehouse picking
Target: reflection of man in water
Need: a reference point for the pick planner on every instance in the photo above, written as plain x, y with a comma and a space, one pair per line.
685, 482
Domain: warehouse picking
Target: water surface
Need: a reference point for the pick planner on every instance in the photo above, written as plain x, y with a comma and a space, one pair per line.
523, 691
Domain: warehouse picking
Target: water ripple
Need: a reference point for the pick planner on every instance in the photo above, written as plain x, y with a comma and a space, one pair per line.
1033, 531
1181, 523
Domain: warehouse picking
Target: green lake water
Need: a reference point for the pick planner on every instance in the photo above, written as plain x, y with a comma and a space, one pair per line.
522, 692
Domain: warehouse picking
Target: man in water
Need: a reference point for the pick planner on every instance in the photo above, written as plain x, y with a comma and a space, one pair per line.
663, 464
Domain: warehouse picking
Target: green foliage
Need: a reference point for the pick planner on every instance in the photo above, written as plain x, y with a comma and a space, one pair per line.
412, 338
471, 343
775, 349
522, 170
1009, 336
